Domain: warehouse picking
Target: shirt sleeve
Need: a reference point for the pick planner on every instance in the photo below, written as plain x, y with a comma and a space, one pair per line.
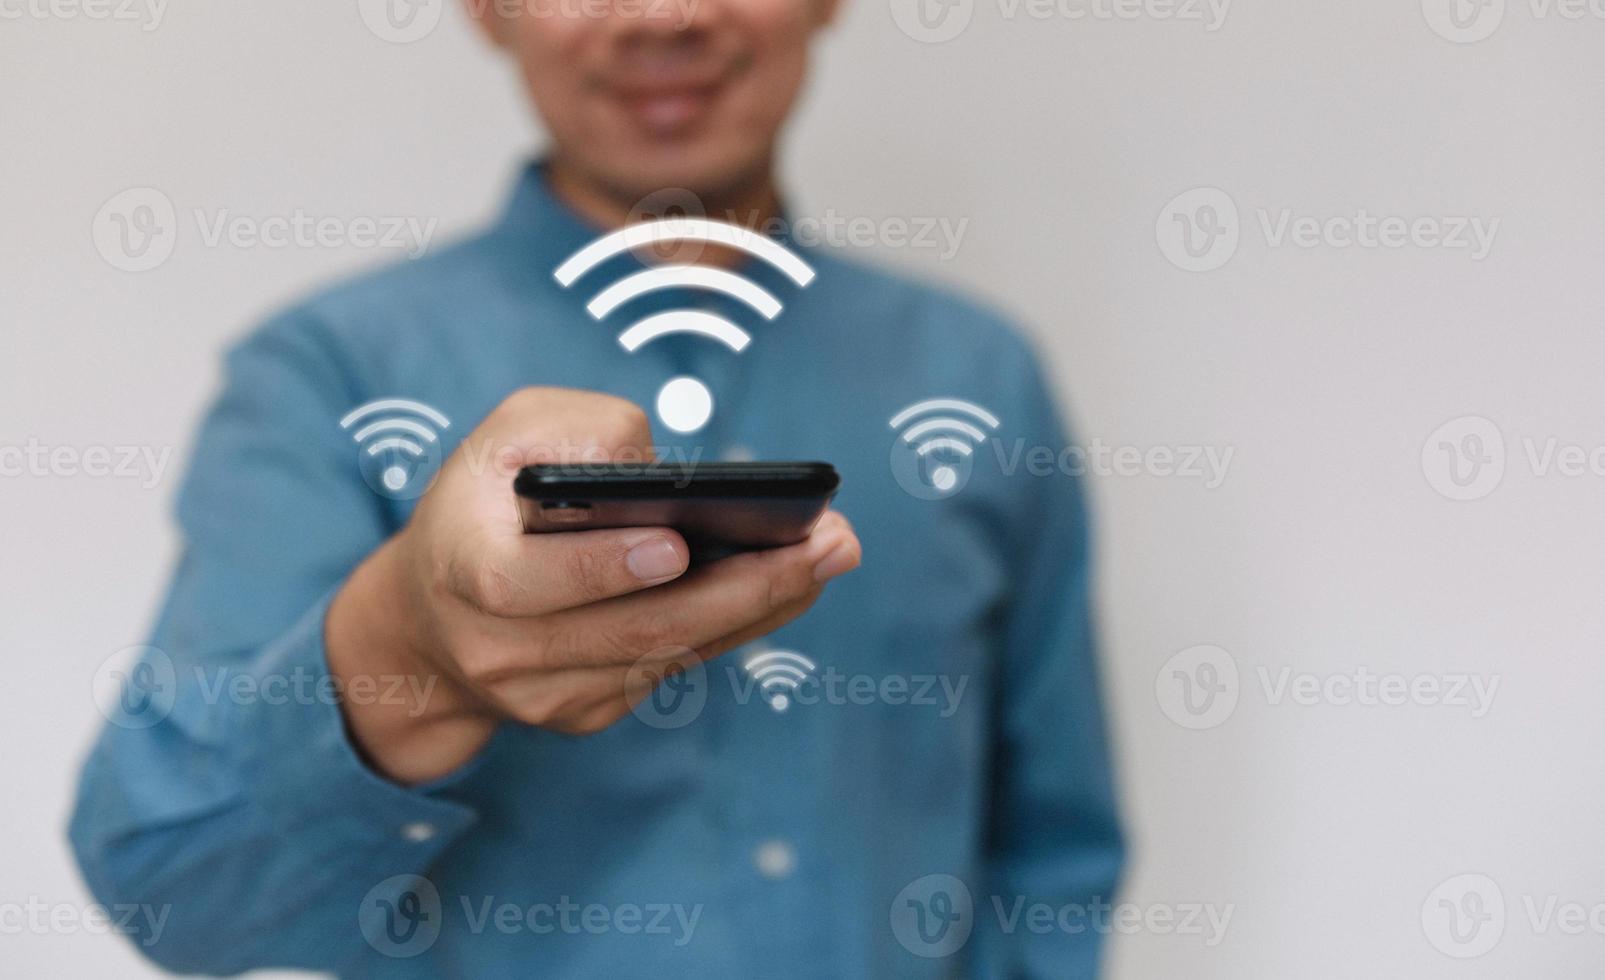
224, 791
1055, 835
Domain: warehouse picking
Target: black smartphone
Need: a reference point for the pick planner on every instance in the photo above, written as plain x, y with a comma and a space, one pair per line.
719, 507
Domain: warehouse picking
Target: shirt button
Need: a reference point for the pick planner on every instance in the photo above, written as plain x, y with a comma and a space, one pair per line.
418, 832
775, 859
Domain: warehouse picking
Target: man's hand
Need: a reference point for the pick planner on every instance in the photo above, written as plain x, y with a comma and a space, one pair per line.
543, 628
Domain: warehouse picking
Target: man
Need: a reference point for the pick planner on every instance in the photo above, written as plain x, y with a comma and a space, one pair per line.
481, 800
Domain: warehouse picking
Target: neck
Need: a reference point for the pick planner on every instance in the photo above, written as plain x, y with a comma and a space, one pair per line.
753, 203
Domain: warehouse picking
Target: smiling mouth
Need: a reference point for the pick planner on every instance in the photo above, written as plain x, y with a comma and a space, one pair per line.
669, 94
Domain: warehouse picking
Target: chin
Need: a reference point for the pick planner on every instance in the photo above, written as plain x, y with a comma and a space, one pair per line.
712, 171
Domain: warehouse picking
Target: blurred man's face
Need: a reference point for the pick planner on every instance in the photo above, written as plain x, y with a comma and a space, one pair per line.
640, 95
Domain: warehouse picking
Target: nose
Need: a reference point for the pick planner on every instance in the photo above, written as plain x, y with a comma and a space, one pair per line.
663, 21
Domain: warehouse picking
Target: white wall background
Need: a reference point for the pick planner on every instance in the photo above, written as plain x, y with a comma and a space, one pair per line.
1326, 826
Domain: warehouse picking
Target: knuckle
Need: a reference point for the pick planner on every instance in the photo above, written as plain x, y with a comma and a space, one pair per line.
552, 649
652, 630
596, 720
773, 596
493, 591
785, 583
588, 570
485, 665
539, 711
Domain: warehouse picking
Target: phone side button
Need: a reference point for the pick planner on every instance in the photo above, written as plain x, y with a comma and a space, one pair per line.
566, 513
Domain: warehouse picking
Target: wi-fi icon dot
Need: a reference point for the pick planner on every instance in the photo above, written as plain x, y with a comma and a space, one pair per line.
684, 404
779, 674
401, 427
954, 429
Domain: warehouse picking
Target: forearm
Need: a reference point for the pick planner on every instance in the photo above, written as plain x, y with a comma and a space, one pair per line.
431, 725
246, 822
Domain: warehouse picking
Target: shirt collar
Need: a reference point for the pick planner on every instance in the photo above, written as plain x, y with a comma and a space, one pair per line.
532, 209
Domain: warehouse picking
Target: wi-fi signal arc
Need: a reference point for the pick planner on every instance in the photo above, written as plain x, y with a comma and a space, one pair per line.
394, 425
914, 432
699, 322
945, 478
684, 229
779, 673
394, 477
395, 442
943, 442
684, 404
683, 276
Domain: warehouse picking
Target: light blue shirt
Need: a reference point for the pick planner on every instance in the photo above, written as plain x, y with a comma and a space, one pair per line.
945, 761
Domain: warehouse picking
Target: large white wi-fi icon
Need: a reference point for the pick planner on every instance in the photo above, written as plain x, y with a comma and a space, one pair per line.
945, 432
779, 674
684, 404
396, 433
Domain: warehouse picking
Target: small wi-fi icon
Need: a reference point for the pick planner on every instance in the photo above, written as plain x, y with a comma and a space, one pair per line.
404, 429
779, 674
684, 404
945, 435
